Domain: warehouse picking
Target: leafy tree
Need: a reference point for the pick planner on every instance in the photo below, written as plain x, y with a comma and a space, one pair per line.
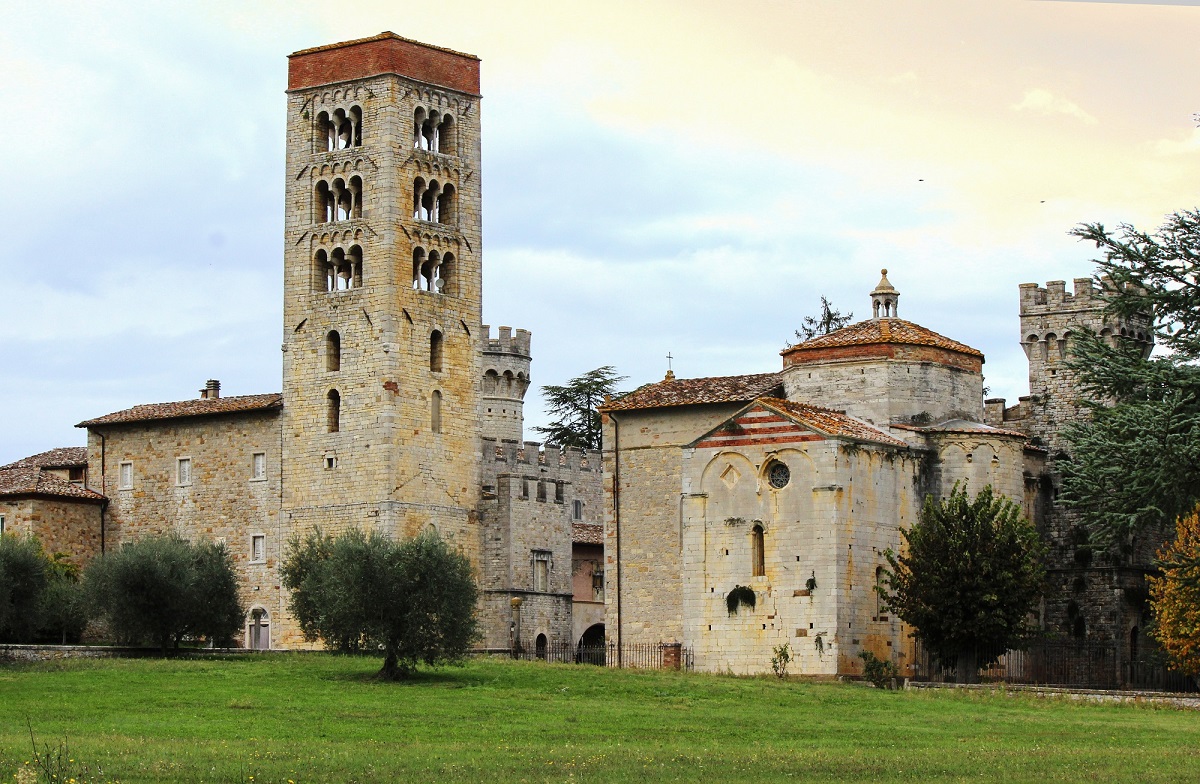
162, 589
23, 580
576, 423
414, 600
968, 578
1135, 463
830, 320
1175, 595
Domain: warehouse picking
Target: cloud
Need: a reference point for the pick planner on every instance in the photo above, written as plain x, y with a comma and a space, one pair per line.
1045, 102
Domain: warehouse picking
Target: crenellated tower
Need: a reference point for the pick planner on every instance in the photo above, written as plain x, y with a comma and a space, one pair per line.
1091, 594
505, 380
382, 289
1049, 316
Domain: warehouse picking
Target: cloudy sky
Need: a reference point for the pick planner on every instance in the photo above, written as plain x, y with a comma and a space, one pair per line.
686, 177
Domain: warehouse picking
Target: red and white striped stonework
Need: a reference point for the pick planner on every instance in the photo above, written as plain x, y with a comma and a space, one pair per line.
758, 426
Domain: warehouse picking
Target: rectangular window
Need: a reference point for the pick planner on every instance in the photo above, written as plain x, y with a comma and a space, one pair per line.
125, 476
183, 471
259, 466
598, 583
578, 510
258, 548
541, 570
558, 492
541, 490
75, 474
1, 525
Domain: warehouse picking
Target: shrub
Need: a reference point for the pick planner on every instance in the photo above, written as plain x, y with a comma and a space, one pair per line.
881, 672
63, 607
162, 589
23, 579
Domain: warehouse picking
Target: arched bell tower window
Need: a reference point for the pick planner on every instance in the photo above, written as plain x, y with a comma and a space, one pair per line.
435, 351
433, 131
340, 129
758, 566
432, 271
333, 411
333, 351
339, 270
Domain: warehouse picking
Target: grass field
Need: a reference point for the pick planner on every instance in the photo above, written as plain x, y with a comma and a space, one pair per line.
319, 718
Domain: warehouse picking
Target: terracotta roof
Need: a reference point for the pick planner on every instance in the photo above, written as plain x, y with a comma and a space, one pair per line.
963, 426
384, 36
831, 422
884, 330
63, 457
33, 481
698, 391
587, 533
189, 408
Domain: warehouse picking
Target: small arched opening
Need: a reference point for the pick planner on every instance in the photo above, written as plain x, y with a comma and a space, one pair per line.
258, 630
540, 646
435, 351
333, 411
758, 567
333, 351
591, 648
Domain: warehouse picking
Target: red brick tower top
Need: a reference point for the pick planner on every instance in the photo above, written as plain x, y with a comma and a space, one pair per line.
382, 54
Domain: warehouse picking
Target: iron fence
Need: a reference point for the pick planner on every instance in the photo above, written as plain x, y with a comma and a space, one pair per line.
646, 656
1068, 663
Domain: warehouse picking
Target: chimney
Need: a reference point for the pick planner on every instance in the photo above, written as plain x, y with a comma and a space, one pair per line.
211, 391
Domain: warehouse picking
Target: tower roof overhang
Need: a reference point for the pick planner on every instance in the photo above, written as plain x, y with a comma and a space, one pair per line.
386, 53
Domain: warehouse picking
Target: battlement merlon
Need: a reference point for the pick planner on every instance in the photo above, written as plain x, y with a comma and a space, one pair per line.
548, 458
386, 53
506, 342
1035, 299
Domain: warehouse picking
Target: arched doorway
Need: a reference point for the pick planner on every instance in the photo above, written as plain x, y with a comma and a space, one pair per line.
258, 632
540, 646
591, 646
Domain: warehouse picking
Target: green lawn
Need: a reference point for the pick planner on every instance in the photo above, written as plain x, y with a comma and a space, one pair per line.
318, 718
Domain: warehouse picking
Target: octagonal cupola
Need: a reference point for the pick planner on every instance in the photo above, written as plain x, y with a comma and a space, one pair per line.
884, 299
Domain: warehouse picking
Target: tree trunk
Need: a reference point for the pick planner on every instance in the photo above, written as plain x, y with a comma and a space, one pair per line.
391, 670
967, 666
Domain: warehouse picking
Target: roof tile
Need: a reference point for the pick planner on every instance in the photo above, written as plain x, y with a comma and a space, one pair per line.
698, 391
189, 408
884, 330
33, 481
63, 457
587, 533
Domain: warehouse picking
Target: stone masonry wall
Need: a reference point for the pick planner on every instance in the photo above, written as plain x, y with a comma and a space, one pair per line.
222, 502
883, 391
642, 526
841, 509
62, 526
527, 507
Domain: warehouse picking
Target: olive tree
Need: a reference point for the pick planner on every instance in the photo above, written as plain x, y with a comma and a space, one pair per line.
412, 600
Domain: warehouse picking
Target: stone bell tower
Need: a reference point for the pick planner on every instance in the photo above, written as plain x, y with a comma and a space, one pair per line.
382, 301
